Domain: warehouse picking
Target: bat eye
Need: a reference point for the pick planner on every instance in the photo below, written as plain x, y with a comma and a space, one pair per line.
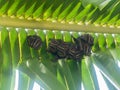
34, 41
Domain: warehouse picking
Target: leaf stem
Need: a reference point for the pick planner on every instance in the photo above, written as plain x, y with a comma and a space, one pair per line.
43, 24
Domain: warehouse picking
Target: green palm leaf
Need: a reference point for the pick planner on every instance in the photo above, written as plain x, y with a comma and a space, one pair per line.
59, 19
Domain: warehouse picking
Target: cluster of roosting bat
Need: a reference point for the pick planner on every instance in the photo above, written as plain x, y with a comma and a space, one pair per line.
65, 50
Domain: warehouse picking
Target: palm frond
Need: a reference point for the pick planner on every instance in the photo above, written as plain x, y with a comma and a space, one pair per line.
68, 14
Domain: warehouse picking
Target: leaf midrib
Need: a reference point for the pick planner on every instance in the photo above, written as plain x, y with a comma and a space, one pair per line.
44, 24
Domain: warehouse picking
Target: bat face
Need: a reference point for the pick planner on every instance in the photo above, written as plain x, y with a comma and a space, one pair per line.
53, 44
62, 49
84, 43
74, 53
34, 41
87, 38
58, 47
